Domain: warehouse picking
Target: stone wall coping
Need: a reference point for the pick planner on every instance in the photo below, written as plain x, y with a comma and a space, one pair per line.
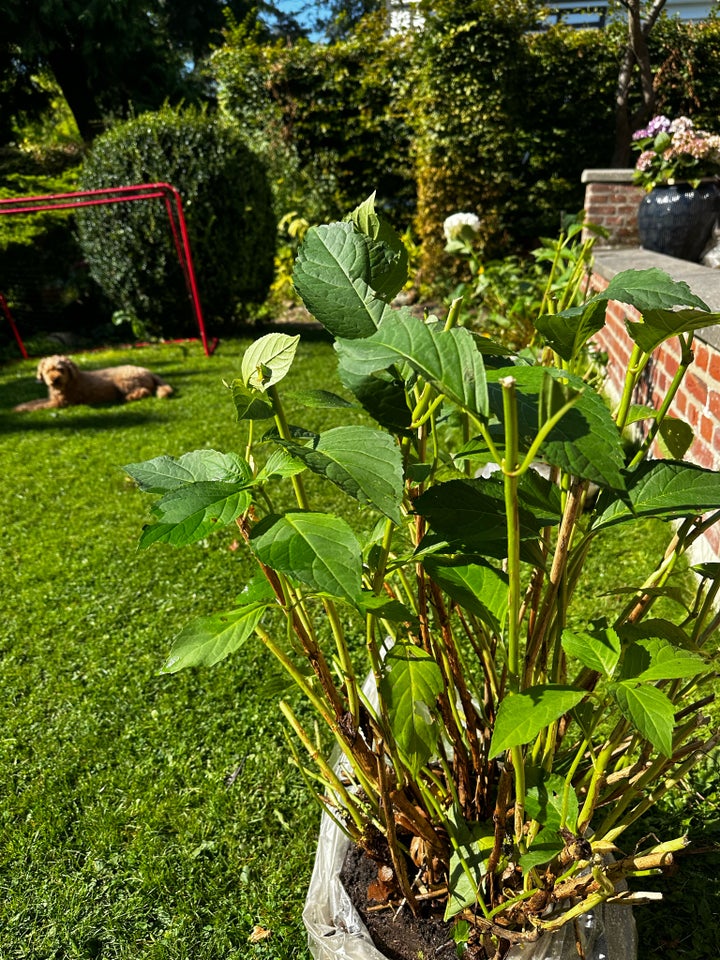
608, 176
703, 281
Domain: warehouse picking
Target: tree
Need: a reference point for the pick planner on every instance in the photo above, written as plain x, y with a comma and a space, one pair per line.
113, 58
636, 55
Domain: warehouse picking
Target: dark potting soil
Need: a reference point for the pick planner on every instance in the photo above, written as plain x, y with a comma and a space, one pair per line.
399, 935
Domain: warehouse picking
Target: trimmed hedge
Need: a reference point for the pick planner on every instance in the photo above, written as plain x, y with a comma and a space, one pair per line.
332, 120
227, 204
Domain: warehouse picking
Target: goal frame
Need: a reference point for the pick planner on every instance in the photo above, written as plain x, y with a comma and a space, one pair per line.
112, 195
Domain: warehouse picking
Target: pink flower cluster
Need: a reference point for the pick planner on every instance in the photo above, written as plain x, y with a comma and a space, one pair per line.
673, 150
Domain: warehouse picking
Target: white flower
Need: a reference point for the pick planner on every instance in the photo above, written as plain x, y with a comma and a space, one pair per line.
456, 221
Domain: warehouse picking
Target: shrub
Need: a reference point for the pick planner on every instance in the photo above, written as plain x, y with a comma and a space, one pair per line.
226, 199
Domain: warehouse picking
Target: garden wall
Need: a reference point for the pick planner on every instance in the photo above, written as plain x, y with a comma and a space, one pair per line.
698, 400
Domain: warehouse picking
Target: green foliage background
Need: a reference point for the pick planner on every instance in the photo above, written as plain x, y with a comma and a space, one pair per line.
227, 204
479, 112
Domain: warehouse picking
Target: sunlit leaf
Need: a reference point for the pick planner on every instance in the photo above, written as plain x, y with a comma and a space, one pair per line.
448, 359
332, 275
364, 462
315, 548
162, 474
662, 488
191, 512
522, 716
650, 712
411, 683
268, 360
598, 651
208, 640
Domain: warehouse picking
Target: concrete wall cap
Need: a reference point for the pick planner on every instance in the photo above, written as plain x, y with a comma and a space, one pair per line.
608, 176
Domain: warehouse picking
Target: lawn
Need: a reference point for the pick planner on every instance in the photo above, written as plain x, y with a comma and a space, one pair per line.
144, 815
153, 816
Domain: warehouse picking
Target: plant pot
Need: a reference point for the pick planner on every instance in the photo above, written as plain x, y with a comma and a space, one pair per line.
336, 931
677, 219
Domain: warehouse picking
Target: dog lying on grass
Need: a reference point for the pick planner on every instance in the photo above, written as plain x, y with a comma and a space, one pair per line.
68, 385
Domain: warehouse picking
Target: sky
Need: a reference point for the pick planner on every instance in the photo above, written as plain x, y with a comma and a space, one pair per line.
296, 6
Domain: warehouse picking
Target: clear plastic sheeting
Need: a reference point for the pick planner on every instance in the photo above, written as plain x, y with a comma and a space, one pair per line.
336, 932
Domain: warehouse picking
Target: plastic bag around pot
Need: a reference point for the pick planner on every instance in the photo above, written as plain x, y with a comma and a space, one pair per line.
336, 932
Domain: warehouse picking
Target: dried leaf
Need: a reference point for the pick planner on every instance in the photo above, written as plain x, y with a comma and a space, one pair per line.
259, 934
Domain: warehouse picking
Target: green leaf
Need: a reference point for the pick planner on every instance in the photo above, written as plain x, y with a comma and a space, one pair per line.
598, 651
249, 405
381, 395
388, 256
268, 360
544, 800
663, 488
332, 276
657, 326
385, 608
586, 442
478, 588
191, 512
675, 438
474, 845
256, 590
364, 462
281, 464
652, 292
650, 712
163, 474
208, 640
472, 511
315, 548
653, 658
522, 716
650, 289
545, 847
318, 399
448, 359
410, 685
568, 332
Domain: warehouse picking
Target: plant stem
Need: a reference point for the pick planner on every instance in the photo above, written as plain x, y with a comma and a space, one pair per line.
344, 658
510, 484
685, 361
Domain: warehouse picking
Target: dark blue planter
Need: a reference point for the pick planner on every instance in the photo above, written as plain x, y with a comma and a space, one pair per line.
678, 219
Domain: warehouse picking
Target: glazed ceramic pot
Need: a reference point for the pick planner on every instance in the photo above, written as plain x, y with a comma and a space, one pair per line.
677, 219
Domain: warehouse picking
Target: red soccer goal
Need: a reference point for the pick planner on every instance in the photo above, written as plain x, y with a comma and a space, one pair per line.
128, 194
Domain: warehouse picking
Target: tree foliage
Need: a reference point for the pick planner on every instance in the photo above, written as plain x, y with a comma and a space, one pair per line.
111, 57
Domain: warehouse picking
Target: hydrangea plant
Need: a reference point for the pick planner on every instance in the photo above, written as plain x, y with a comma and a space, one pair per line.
507, 744
674, 151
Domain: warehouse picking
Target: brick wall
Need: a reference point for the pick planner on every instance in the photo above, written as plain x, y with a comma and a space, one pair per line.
611, 201
697, 402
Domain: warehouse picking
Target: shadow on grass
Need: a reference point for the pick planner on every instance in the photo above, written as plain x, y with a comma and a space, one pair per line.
111, 418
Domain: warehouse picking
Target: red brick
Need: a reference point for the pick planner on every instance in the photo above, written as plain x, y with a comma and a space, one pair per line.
702, 355
692, 412
714, 404
707, 429
701, 455
714, 366
697, 388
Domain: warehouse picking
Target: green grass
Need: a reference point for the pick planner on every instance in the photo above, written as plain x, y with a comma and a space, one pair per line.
121, 837
151, 816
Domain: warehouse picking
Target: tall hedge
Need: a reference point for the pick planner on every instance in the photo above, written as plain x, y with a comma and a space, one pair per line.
332, 118
227, 203
478, 111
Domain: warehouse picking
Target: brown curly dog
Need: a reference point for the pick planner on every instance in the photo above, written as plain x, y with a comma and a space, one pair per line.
67, 384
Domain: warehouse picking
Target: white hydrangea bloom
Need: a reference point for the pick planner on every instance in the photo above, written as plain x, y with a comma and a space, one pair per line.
456, 221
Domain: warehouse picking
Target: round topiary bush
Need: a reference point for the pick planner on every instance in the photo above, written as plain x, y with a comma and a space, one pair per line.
228, 208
